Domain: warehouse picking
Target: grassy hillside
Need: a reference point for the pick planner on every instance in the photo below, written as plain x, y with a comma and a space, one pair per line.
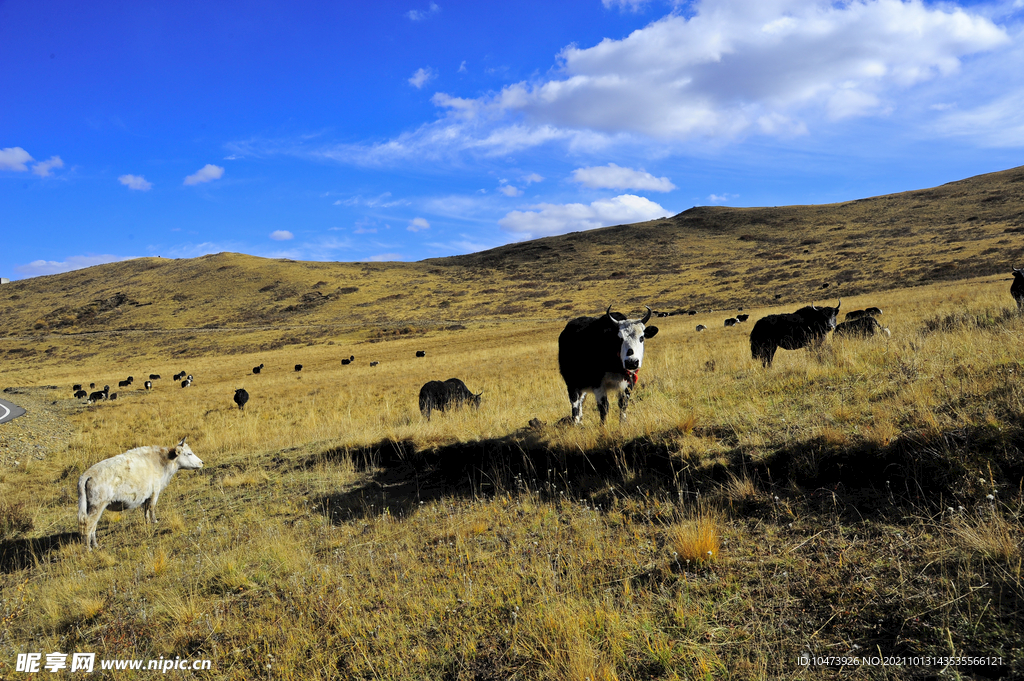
866, 498
703, 258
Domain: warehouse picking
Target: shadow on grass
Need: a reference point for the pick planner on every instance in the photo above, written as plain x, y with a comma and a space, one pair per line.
404, 477
18, 554
861, 477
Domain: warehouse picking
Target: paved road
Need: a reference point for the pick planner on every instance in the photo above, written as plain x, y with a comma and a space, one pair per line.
9, 412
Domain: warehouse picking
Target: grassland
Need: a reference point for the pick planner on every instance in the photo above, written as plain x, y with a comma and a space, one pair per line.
864, 499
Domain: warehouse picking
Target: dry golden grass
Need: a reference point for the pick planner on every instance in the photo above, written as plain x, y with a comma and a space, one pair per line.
289, 549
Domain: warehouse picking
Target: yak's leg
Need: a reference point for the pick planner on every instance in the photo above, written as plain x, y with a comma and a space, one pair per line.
91, 521
576, 398
149, 508
623, 403
601, 395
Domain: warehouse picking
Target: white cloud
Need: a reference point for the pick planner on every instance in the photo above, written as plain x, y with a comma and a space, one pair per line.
996, 124
418, 224
137, 182
281, 235
205, 174
384, 257
632, 5
462, 66
547, 219
722, 198
380, 201
44, 168
421, 77
508, 190
533, 177
38, 268
612, 176
718, 71
420, 15
14, 158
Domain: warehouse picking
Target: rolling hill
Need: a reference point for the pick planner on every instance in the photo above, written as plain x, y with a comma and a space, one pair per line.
705, 257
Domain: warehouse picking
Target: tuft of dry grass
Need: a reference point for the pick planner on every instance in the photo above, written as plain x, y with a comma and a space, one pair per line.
696, 540
991, 535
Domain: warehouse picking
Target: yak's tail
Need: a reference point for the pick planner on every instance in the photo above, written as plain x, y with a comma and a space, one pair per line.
83, 504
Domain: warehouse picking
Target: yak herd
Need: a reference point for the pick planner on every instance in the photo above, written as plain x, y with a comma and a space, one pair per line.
595, 355
602, 354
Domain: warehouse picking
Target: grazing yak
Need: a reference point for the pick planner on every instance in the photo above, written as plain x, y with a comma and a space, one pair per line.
241, 397
99, 394
599, 354
80, 394
862, 327
701, 327
732, 321
1017, 287
154, 377
421, 353
258, 369
443, 395
807, 326
742, 317
853, 315
298, 367
149, 385
127, 481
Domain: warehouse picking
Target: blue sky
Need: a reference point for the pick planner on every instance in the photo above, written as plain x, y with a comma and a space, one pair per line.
406, 130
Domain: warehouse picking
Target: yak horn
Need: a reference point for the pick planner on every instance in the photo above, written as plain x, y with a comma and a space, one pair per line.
647, 316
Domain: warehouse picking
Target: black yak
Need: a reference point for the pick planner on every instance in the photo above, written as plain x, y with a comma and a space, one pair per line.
599, 354
442, 395
807, 326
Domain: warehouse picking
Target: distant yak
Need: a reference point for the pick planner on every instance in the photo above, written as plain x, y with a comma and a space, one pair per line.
1017, 287
241, 397
444, 395
807, 326
863, 327
860, 314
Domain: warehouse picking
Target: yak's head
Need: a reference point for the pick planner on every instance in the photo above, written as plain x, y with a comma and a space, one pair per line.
1018, 275
828, 315
185, 457
632, 333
